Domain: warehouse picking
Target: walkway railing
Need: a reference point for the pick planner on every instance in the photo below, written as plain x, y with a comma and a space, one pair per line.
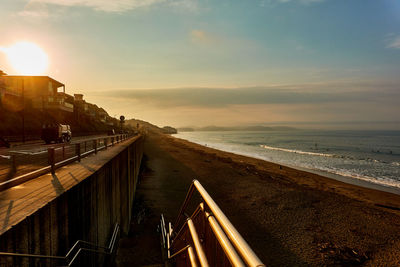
73, 256
43, 162
207, 237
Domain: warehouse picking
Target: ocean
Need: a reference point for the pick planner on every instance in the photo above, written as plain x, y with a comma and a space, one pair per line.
371, 156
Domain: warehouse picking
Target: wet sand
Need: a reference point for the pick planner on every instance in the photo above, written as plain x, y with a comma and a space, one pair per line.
289, 217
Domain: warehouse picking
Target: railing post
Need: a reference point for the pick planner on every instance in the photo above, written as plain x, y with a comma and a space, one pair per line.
105, 143
112, 141
95, 146
85, 147
51, 158
78, 151
63, 151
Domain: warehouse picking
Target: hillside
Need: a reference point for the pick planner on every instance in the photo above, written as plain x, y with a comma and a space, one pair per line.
11, 123
135, 123
236, 128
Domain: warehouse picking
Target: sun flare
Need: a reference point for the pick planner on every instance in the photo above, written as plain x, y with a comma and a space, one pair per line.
27, 58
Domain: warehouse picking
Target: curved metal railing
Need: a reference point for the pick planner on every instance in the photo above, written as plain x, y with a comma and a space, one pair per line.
232, 243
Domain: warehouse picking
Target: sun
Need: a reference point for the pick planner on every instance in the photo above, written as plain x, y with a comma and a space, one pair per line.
27, 58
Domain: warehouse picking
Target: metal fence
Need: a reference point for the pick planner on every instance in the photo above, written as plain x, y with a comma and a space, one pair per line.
78, 254
18, 168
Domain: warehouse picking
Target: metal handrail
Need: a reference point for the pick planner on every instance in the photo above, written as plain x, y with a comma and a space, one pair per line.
223, 240
197, 244
234, 236
31, 175
109, 250
188, 248
178, 252
192, 256
182, 229
163, 230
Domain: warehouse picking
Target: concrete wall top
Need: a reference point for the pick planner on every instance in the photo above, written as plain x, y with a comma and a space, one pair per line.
21, 201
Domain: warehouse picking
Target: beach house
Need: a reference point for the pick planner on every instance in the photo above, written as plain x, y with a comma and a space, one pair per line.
38, 92
10, 96
102, 115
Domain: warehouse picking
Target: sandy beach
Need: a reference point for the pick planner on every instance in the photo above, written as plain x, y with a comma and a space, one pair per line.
289, 217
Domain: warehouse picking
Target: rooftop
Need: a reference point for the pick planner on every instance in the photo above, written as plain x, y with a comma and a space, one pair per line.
57, 83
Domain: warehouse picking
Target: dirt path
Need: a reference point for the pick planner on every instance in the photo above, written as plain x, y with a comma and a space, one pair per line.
162, 189
289, 217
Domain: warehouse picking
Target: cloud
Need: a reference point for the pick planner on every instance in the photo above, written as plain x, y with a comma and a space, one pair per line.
222, 97
305, 2
107, 5
102, 5
36, 10
312, 104
301, 1
200, 36
187, 5
393, 42
310, 1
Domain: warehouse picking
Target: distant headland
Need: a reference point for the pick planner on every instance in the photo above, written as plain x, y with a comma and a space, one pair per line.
236, 128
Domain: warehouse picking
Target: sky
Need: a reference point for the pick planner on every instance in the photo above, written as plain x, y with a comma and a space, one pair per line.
312, 63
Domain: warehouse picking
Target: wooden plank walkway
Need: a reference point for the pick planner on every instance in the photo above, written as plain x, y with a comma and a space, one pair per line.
23, 200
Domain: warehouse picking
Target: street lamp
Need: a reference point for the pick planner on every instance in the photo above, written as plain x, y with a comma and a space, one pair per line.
122, 121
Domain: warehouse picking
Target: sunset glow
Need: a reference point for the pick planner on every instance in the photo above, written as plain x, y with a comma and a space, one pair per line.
27, 58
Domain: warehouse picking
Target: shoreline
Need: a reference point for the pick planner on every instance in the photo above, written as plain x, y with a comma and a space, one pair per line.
351, 180
289, 217
341, 178
365, 191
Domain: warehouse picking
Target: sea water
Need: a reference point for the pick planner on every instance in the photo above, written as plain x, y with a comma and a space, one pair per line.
372, 156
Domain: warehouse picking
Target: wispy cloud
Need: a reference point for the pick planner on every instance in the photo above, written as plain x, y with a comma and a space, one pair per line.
186, 5
102, 5
393, 42
320, 102
201, 36
35, 10
44, 9
305, 2
301, 1
290, 94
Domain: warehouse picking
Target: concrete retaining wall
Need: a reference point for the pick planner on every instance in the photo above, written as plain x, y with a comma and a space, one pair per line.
88, 211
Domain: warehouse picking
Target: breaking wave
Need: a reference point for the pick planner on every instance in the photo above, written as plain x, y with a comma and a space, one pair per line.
297, 151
